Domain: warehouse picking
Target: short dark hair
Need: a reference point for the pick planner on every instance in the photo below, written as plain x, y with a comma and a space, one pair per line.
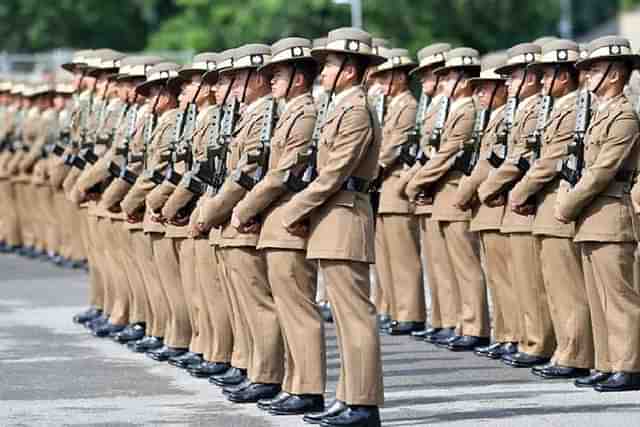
309, 70
360, 64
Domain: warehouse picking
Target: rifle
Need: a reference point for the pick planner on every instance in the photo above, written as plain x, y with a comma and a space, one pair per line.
534, 141
380, 108
570, 168
180, 146
298, 182
201, 173
64, 138
468, 157
219, 153
79, 160
115, 169
409, 152
261, 157
499, 151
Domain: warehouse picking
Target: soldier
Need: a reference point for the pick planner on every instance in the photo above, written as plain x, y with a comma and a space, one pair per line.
443, 289
601, 206
334, 211
561, 264
439, 178
213, 316
397, 229
245, 266
536, 340
491, 93
162, 87
291, 276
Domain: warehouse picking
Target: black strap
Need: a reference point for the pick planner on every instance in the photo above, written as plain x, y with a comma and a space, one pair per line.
356, 184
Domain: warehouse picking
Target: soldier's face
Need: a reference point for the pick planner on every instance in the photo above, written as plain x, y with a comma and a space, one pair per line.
331, 70
453, 81
597, 73
280, 80
428, 81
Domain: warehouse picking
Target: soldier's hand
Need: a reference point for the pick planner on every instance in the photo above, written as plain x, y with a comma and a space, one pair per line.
423, 200
524, 210
134, 218
157, 217
496, 201
199, 229
235, 221
299, 229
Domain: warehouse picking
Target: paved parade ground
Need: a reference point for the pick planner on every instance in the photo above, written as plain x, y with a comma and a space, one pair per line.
53, 373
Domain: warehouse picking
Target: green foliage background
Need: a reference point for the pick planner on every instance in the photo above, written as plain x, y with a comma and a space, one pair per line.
133, 25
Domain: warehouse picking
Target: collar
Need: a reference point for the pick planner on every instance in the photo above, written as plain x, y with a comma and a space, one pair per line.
294, 101
565, 99
337, 99
460, 102
496, 111
256, 104
396, 99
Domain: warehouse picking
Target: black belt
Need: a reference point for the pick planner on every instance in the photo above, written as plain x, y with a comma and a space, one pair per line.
356, 184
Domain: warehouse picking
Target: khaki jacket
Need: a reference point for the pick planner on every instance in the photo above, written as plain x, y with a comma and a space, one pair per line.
601, 203
341, 222
508, 173
437, 174
483, 217
216, 211
542, 179
398, 124
292, 136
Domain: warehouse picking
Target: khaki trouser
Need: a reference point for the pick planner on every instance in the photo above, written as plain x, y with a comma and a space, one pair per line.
463, 250
441, 279
293, 282
247, 272
614, 301
10, 224
241, 356
381, 294
118, 285
568, 303
166, 252
192, 292
214, 317
140, 309
398, 254
101, 257
360, 381
497, 257
158, 304
88, 233
537, 337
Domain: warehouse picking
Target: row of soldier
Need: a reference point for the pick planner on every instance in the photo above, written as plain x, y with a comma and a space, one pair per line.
208, 198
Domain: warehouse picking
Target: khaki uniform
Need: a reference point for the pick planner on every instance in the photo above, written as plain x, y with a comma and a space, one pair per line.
340, 239
397, 229
244, 266
536, 331
561, 263
453, 223
442, 281
487, 221
291, 276
606, 231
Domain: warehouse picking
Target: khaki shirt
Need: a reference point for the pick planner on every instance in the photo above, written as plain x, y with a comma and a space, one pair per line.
600, 203
341, 221
398, 124
542, 179
483, 218
292, 136
216, 210
437, 174
508, 173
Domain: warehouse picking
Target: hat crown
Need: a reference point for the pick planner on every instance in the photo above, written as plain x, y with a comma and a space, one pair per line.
163, 70
462, 56
350, 34
527, 50
434, 49
251, 55
206, 57
542, 41
297, 45
492, 61
610, 42
560, 45
398, 52
319, 42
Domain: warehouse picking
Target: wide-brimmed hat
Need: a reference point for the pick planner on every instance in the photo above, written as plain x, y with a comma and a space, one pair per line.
397, 59
64, 88
18, 88
253, 55
136, 67
488, 66
78, 61
40, 90
432, 56
108, 63
290, 50
558, 52
462, 58
542, 41
164, 73
348, 41
203, 64
610, 48
5, 86
520, 56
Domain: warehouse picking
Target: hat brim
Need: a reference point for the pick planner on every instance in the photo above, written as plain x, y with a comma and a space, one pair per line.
404, 67
269, 66
74, 67
421, 68
537, 65
446, 69
633, 59
95, 72
144, 89
210, 76
510, 68
320, 56
479, 80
